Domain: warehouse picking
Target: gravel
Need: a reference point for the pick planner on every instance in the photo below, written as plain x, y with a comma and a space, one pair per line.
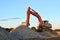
25, 33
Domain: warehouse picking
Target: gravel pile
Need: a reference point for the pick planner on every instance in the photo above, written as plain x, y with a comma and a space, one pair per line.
4, 35
48, 34
25, 33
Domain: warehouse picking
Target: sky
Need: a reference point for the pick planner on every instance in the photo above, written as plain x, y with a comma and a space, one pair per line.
47, 9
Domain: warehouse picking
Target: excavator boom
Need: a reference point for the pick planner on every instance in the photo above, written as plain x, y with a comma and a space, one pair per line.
31, 11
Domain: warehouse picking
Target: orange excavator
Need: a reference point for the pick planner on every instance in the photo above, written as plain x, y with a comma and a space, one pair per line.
43, 25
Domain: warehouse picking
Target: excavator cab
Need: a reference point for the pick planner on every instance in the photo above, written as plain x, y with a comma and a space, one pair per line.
46, 25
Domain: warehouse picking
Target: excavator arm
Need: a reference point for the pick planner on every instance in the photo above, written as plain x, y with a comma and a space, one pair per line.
31, 11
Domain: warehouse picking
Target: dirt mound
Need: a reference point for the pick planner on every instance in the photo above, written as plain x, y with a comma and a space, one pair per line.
48, 34
4, 35
25, 32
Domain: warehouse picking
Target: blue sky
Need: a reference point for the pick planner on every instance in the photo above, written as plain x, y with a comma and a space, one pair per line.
48, 9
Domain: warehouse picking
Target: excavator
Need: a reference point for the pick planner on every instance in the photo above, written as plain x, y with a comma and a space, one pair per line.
43, 25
